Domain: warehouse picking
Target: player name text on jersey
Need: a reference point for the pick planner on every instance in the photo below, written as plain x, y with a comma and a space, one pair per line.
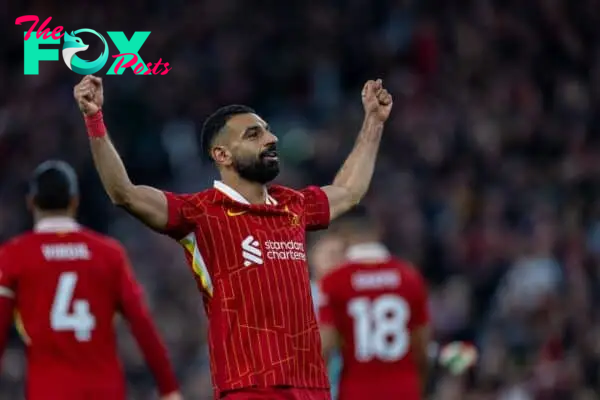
66, 251
375, 280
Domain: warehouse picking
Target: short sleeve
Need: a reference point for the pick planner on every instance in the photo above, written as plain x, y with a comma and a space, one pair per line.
324, 303
420, 311
316, 208
8, 273
180, 215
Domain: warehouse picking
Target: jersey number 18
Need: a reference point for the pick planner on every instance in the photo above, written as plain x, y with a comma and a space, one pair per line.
380, 327
80, 321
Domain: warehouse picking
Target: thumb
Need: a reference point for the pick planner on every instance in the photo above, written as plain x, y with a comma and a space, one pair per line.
367, 89
377, 85
95, 80
86, 105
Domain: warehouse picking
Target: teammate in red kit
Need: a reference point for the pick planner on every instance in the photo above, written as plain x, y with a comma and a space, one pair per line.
245, 240
375, 308
65, 284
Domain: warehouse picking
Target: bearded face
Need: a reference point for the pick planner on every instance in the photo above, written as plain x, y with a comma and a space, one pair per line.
248, 146
261, 168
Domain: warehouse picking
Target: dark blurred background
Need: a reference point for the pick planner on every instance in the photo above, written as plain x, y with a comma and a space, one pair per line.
488, 177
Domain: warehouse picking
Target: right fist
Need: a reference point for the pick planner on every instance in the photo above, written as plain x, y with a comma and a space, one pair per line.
89, 95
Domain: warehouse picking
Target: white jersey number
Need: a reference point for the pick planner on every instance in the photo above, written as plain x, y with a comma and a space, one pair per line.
380, 327
80, 321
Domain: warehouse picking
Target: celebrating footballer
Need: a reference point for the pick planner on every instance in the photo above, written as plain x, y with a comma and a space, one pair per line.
244, 241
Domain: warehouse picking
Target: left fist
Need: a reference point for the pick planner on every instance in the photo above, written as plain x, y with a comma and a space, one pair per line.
376, 100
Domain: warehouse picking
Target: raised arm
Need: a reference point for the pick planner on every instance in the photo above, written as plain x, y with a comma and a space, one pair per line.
147, 204
353, 179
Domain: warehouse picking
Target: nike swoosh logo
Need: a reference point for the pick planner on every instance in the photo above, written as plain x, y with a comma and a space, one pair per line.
235, 214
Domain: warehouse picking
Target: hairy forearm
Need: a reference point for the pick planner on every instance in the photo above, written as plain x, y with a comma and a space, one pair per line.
108, 163
111, 170
145, 203
357, 171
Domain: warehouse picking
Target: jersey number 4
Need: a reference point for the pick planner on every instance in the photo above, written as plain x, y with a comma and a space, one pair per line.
380, 328
80, 321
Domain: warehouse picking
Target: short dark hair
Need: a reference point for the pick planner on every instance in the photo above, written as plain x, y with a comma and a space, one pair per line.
216, 121
53, 185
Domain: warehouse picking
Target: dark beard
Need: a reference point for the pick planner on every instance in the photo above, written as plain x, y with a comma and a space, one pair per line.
261, 171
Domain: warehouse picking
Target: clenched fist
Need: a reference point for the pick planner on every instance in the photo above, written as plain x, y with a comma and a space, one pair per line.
376, 100
89, 94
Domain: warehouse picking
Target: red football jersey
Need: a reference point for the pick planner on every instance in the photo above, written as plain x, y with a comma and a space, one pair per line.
250, 264
375, 301
66, 284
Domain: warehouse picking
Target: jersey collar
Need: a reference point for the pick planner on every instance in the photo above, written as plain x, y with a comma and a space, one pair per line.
235, 195
56, 224
368, 252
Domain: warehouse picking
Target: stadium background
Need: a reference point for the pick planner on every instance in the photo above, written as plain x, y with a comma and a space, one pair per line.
487, 179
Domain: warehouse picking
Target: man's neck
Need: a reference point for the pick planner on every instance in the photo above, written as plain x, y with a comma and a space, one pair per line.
254, 192
45, 215
367, 252
55, 222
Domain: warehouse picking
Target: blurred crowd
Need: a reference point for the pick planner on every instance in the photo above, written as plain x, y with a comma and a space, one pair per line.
488, 176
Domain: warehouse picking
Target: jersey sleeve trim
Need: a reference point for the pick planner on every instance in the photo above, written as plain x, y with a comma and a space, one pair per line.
6, 292
190, 244
177, 224
316, 208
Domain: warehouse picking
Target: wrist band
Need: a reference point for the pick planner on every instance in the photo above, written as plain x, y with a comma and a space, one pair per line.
95, 125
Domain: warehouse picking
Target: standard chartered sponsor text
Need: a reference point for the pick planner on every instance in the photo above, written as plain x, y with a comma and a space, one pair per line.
285, 250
